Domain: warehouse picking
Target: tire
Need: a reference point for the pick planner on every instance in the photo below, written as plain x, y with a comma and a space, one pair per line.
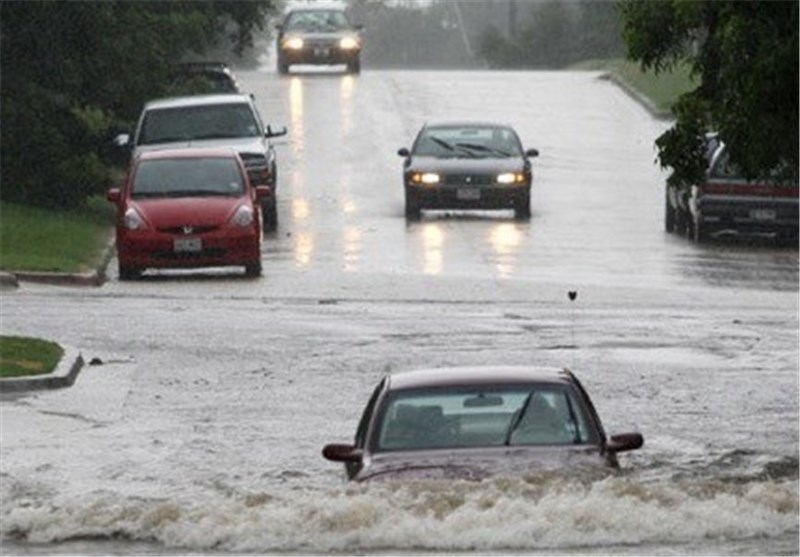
253, 269
522, 208
283, 67
129, 273
269, 217
413, 210
354, 66
670, 217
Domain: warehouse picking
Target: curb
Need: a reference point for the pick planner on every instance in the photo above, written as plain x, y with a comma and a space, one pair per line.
97, 277
63, 376
638, 97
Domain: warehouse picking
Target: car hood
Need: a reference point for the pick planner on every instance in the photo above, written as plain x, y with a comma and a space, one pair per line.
478, 464
196, 212
467, 165
240, 144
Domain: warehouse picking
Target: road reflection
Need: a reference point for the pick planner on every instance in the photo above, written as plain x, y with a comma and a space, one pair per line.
505, 240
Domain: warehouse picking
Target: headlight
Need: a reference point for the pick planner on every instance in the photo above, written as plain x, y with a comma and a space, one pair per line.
425, 178
511, 178
293, 43
348, 43
133, 220
243, 216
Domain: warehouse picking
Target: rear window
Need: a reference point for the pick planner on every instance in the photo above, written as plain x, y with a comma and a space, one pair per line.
187, 177
220, 121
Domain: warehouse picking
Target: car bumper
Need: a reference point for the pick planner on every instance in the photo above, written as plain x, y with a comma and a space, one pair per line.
157, 250
454, 197
319, 55
752, 214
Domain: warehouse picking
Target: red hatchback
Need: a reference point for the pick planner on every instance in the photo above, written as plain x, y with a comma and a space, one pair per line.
188, 208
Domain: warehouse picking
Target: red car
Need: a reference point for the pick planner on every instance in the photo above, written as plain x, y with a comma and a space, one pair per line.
188, 208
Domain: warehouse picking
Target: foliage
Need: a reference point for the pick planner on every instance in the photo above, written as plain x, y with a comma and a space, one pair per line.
745, 56
23, 356
76, 73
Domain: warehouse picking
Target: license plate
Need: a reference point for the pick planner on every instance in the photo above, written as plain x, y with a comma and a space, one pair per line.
762, 214
468, 194
191, 245
322, 52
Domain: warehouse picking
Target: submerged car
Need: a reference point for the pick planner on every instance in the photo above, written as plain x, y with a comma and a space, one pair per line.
187, 208
199, 121
467, 165
475, 422
318, 36
726, 203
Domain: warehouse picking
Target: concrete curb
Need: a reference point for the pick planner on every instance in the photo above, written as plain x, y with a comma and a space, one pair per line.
97, 277
638, 97
63, 376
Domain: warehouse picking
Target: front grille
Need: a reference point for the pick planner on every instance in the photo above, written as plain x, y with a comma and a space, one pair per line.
257, 167
468, 179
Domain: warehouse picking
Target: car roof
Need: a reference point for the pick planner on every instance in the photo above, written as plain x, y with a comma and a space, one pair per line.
317, 7
198, 100
477, 375
467, 124
189, 153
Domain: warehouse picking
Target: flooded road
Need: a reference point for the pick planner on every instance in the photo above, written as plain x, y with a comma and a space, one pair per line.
200, 428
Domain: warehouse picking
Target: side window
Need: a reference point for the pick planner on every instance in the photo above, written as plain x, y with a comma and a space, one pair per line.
363, 424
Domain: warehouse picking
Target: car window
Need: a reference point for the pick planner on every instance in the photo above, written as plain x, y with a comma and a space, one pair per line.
187, 177
524, 415
322, 20
219, 121
473, 142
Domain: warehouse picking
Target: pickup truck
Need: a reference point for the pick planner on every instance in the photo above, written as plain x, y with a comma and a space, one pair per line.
726, 203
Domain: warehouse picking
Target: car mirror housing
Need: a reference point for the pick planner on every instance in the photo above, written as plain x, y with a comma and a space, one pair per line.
113, 195
404, 152
278, 132
341, 453
625, 442
532, 153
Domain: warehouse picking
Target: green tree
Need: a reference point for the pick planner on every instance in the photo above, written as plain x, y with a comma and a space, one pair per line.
745, 55
76, 72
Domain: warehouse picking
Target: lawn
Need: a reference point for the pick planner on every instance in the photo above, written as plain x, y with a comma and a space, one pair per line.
34, 239
21, 356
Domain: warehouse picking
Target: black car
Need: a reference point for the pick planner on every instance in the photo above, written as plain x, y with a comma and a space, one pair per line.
467, 165
318, 36
475, 422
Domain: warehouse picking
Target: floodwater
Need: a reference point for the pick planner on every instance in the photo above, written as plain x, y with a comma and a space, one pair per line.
199, 427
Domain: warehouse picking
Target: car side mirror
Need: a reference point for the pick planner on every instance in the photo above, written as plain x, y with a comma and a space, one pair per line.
263, 192
625, 442
276, 132
122, 140
404, 152
532, 153
342, 453
113, 195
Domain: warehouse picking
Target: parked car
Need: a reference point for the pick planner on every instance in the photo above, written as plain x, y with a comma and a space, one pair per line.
727, 203
187, 208
229, 120
475, 422
310, 35
217, 76
467, 165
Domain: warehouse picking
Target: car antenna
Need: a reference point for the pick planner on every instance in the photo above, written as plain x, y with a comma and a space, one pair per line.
572, 295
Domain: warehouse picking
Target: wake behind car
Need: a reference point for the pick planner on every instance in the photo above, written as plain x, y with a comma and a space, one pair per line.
727, 203
187, 208
311, 35
476, 422
229, 120
467, 165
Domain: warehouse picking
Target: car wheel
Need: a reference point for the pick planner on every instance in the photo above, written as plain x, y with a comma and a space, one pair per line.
670, 218
253, 269
129, 273
354, 66
283, 67
412, 206
522, 208
270, 216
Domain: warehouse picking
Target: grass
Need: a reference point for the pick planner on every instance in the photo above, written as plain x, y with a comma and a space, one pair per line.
663, 89
34, 239
22, 356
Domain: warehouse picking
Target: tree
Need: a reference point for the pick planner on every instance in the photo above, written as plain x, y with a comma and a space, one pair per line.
75, 72
745, 55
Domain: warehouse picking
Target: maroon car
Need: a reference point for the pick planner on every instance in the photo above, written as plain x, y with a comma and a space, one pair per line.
475, 422
188, 208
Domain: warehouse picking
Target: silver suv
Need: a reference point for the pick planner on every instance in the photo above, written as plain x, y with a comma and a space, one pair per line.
213, 121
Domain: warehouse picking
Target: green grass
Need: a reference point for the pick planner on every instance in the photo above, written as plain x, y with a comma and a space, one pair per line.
34, 239
22, 356
663, 89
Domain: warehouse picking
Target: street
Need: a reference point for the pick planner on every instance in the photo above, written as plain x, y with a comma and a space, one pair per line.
200, 427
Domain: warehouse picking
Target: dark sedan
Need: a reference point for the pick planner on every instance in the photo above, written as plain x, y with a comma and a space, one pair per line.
475, 422
312, 35
468, 165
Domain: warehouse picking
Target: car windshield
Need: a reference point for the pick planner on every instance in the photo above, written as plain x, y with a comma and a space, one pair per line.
467, 142
317, 20
483, 417
187, 177
190, 123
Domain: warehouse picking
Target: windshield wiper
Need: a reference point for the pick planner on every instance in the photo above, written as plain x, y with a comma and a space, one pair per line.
484, 149
518, 418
